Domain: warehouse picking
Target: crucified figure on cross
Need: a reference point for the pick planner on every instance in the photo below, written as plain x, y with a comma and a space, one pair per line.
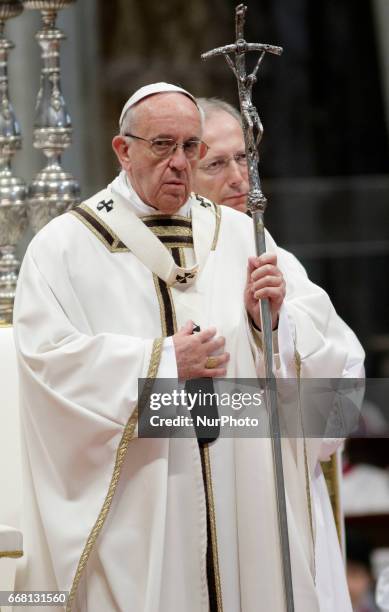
252, 125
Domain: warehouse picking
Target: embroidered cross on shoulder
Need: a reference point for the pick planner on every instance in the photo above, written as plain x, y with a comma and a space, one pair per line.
202, 201
107, 205
183, 279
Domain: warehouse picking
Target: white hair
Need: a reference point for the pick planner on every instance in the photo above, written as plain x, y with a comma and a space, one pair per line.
128, 121
211, 106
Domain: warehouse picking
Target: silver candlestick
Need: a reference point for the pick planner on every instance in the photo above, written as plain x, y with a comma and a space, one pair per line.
13, 216
53, 191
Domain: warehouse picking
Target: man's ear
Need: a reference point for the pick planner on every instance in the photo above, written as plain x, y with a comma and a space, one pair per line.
121, 147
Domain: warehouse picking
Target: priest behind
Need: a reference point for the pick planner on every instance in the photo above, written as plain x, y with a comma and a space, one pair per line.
222, 176
109, 293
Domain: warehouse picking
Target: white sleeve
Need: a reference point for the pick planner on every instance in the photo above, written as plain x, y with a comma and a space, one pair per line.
312, 338
95, 376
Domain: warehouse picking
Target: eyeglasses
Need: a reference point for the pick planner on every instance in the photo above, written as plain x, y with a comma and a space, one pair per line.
165, 147
221, 163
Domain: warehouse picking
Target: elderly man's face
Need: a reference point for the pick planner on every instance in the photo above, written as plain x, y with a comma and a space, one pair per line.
164, 183
219, 176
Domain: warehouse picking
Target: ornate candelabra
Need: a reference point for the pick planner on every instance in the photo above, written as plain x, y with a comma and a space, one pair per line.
13, 217
53, 191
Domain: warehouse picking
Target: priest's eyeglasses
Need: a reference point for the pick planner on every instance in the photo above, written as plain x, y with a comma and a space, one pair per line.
194, 148
221, 163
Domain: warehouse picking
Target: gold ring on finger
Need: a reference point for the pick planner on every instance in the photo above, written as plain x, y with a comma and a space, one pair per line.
210, 363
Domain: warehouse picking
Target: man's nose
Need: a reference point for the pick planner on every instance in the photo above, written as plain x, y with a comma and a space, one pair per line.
236, 173
178, 159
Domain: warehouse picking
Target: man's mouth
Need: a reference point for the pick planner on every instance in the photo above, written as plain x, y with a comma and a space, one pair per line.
236, 197
174, 182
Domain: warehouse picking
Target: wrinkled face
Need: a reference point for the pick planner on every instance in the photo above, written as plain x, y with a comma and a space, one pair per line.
163, 183
229, 186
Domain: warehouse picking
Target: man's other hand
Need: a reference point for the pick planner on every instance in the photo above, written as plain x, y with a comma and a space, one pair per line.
264, 280
195, 353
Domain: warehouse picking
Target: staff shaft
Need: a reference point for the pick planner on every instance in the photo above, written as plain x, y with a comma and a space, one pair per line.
257, 204
271, 403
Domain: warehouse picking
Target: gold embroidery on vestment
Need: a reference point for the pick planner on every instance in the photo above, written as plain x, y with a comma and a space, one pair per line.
114, 246
297, 359
173, 217
218, 215
331, 475
212, 521
11, 554
182, 257
127, 436
172, 230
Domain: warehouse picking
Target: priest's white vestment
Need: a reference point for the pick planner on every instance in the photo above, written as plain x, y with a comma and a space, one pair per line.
118, 521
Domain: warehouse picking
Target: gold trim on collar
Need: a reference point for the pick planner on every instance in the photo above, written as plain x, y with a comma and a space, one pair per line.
127, 436
101, 230
171, 230
173, 217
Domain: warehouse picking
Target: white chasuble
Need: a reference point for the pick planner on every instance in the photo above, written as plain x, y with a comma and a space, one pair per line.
121, 522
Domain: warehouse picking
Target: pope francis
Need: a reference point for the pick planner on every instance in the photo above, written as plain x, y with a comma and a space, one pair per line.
111, 292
